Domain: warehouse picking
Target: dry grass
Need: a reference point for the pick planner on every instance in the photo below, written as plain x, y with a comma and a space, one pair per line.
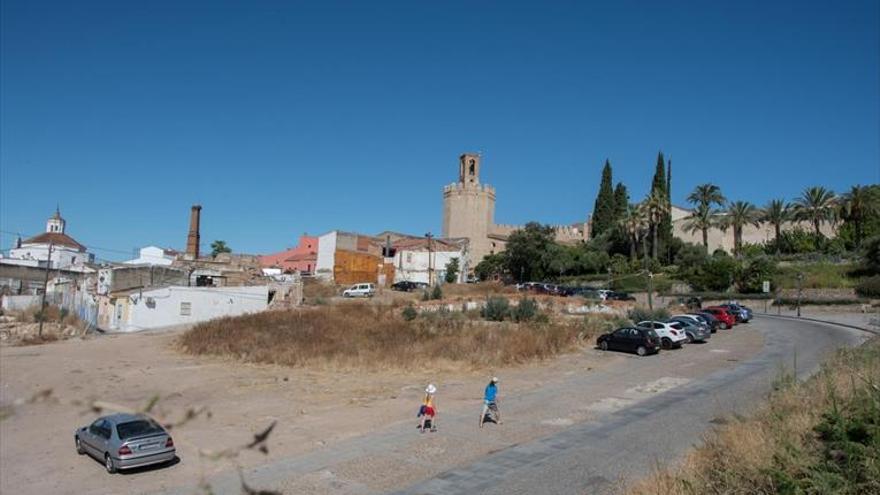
480, 290
377, 337
786, 447
317, 290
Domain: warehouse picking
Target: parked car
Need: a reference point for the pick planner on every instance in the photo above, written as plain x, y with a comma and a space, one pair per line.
407, 286
642, 341
710, 320
723, 315
745, 314
124, 441
618, 296
360, 290
671, 335
695, 331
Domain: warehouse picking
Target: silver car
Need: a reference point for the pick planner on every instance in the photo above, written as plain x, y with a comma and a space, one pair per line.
696, 332
124, 441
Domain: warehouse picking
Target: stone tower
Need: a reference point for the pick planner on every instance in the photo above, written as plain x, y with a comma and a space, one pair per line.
56, 224
469, 208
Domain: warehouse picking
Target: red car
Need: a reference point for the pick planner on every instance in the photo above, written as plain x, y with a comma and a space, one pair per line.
723, 316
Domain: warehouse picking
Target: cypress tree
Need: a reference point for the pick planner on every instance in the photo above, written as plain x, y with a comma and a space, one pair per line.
603, 210
621, 201
658, 188
666, 226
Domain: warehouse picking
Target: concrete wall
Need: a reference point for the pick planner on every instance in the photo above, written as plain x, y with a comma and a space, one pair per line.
412, 266
151, 255
326, 256
123, 278
19, 303
171, 306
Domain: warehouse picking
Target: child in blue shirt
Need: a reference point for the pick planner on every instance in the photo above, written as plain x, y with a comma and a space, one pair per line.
490, 401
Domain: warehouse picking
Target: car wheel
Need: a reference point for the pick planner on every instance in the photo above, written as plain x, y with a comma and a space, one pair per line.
665, 343
690, 338
641, 350
723, 326
108, 464
79, 447
603, 345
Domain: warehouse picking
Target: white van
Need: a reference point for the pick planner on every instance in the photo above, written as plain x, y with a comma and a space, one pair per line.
360, 290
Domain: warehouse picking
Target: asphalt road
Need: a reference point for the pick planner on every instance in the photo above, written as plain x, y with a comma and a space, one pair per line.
595, 456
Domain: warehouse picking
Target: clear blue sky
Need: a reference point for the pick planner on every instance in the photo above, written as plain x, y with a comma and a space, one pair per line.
289, 117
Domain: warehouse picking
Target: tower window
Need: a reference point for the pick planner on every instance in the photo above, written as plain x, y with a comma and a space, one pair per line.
473, 167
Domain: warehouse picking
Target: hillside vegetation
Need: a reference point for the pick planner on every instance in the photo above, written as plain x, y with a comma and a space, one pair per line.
820, 436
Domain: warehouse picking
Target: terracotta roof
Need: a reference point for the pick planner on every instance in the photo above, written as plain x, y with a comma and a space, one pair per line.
55, 238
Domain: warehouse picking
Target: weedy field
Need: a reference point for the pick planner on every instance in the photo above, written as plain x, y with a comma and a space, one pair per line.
820, 436
377, 337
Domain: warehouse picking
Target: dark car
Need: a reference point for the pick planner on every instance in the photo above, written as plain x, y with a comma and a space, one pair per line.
406, 286
642, 341
618, 296
709, 319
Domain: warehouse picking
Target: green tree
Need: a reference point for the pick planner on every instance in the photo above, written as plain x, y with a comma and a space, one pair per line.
856, 206
738, 215
604, 208
705, 197
701, 220
452, 270
776, 213
491, 266
816, 205
656, 209
634, 222
621, 202
218, 247
663, 226
525, 251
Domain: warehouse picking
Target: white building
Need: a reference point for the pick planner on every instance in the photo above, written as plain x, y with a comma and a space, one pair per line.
423, 260
154, 255
178, 305
65, 251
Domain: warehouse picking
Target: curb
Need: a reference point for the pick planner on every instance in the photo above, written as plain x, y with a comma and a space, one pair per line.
815, 320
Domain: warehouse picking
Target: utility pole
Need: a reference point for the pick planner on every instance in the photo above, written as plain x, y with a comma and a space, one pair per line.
45, 290
429, 236
650, 290
800, 280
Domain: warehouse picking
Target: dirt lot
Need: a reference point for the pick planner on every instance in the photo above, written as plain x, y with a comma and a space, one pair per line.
316, 410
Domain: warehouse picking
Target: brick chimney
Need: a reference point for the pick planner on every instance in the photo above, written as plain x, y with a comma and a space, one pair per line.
192, 240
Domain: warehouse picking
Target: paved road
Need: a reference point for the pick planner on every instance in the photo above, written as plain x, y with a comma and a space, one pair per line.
581, 434
594, 456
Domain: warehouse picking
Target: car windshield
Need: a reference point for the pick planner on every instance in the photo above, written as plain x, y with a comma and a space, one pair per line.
138, 428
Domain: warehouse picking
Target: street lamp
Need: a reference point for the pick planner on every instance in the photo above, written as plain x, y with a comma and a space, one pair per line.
430, 236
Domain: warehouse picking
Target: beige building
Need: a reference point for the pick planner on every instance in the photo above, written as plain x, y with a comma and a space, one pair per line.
724, 240
469, 212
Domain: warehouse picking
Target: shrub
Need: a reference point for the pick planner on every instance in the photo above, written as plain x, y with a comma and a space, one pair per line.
640, 313
496, 309
437, 292
715, 274
409, 313
526, 310
753, 273
869, 287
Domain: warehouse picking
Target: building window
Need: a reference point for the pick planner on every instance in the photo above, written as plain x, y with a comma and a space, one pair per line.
409, 257
185, 308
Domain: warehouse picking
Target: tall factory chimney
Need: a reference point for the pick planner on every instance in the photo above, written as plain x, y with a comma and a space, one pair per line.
192, 240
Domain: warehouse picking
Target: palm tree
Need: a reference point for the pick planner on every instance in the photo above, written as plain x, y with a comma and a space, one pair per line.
704, 197
633, 222
857, 205
816, 205
776, 213
656, 208
738, 215
702, 219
